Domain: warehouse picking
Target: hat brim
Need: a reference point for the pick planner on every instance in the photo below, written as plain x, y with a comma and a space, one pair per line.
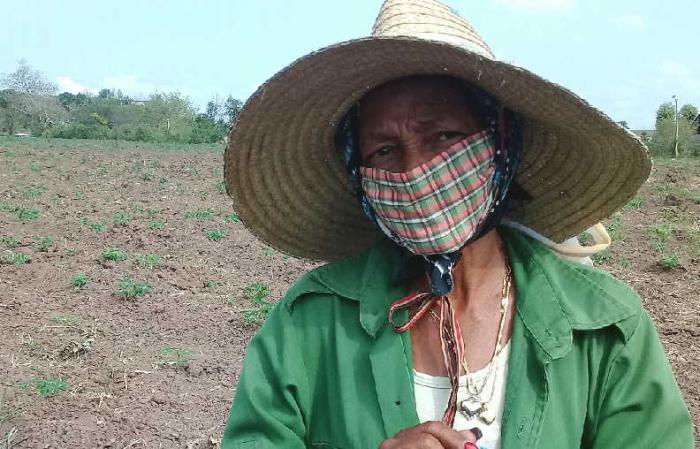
289, 186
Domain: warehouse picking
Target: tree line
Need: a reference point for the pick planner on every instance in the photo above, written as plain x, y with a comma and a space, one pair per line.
29, 103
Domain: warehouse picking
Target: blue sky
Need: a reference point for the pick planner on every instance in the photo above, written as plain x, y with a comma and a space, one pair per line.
623, 56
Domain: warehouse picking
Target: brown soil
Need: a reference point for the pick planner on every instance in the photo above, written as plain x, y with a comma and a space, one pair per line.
126, 385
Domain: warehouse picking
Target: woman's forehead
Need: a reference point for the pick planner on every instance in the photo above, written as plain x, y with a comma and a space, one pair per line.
423, 100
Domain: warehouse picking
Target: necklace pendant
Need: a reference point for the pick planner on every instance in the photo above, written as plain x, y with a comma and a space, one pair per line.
486, 416
471, 408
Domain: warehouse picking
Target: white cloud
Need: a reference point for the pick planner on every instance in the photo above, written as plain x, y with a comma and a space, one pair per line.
632, 21
67, 84
538, 5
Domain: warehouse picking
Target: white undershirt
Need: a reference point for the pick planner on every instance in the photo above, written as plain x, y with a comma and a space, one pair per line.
433, 392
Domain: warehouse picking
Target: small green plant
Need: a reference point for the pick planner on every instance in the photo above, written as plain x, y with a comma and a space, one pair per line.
31, 192
114, 254
121, 218
129, 289
613, 228
36, 168
156, 225
28, 342
46, 387
68, 320
233, 218
17, 258
154, 164
221, 187
153, 211
175, 357
148, 176
635, 203
602, 257
6, 207
268, 252
8, 241
669, 262
257, 293
205, 214
216, 234
210, 284
75, 348
27, 214
150, 260
71, 251
80, 280
662, 231
624, 262
97, 226
43, 242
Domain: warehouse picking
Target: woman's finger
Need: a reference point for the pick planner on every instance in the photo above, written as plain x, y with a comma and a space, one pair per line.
448, 437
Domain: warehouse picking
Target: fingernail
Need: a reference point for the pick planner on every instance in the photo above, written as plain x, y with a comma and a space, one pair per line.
477, 433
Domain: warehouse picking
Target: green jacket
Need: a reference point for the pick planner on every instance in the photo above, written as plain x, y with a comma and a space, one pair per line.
586, 366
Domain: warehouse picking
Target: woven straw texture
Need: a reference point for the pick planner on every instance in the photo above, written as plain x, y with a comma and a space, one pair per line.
288, 183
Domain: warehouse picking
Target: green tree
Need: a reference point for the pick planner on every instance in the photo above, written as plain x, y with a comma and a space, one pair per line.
689, 111
232, 108
666, 111
663, 142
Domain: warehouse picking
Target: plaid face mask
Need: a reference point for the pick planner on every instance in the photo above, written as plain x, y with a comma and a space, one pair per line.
437, 207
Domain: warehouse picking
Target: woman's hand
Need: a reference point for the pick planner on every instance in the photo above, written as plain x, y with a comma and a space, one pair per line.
431, 435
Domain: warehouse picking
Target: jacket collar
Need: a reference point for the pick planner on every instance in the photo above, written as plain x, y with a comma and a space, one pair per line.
554, 296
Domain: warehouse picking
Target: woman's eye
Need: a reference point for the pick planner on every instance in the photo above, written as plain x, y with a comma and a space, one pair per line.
449, 135
383, 151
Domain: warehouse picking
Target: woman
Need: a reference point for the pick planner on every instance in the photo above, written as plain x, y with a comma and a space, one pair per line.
435, 326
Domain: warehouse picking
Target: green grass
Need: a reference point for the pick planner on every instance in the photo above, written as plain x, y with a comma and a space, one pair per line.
43, 242
635, 203
233, 218
602, 257
28, 214
216, 234
32, 192
7, 207
17, 258
205, 214
614, 228
148, 176
175, 357
150, 260
662, 231
156, 224
69, 320
129, 289
257, 294
46, 387
80, 280
121, 218
8, 241
36, 168
114, 254
97, 226
210, 284
267, 252
220, 187
669, 262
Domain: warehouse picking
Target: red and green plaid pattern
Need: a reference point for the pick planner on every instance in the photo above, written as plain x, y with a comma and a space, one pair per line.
437, 206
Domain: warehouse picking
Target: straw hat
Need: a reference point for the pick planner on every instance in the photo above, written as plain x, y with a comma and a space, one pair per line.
288, 183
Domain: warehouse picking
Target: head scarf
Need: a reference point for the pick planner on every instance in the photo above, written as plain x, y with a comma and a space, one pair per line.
500, 122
